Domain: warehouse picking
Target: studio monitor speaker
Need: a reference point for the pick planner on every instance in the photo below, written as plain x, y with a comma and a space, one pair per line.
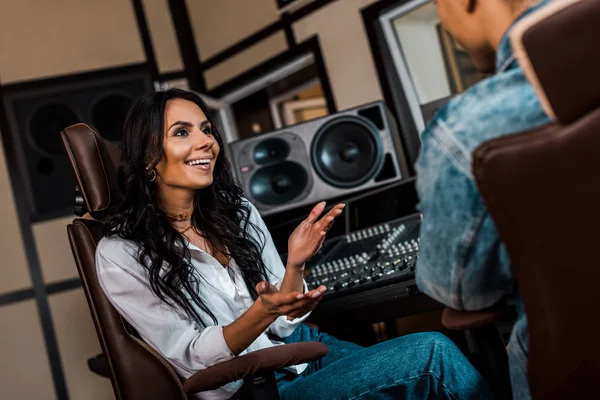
333, 156
38, 111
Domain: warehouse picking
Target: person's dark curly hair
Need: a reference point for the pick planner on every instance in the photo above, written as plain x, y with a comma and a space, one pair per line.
220, 213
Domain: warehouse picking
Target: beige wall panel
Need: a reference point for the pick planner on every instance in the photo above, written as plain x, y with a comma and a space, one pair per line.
14, 273
77, 341
218, 24
47, 38
162, 33
245, 60
346, 51
24, 366
54, 251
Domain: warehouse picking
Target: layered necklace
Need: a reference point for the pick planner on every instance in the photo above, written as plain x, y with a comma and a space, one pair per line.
180, 217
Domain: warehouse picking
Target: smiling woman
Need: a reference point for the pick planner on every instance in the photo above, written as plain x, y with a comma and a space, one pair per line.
189, 152
192, 267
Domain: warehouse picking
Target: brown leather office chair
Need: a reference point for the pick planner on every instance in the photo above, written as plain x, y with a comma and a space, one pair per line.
542, 189
136, 370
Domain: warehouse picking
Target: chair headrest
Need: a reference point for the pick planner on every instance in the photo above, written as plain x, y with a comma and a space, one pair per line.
557, 49
95, 164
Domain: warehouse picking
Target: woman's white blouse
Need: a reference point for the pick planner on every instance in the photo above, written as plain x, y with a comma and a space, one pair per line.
188, 346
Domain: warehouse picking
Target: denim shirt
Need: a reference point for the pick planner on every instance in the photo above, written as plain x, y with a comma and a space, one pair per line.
462, 261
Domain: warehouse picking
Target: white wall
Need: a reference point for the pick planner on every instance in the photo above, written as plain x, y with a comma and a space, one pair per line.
163, 36
422, 53
222, 23
345, 50
65, 36
243, 61
339, 25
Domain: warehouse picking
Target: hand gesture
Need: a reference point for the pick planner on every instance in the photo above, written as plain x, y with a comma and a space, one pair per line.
293, 305
308, 237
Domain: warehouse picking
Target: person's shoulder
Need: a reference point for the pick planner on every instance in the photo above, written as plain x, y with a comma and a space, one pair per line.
501, 104
246, 202
115, 247
252, 210
507, 91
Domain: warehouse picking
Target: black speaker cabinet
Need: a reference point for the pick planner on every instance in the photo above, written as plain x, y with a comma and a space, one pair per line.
329, 157
38, 111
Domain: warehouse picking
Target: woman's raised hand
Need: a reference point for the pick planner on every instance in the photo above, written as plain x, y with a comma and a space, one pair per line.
308, 237
270, 305
293, 304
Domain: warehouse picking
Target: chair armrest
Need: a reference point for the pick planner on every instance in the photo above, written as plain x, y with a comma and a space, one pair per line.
258, 361
460, 320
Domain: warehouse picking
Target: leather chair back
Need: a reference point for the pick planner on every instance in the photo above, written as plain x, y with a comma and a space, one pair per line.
137, 372
542, 189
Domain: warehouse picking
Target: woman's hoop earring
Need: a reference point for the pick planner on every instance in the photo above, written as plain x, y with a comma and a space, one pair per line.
152, 175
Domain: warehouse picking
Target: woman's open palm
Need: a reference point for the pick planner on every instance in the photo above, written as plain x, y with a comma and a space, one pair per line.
308, 237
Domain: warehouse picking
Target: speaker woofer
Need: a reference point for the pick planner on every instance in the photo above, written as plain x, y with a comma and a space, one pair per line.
347, 152
45, 126
278, 183
271, 151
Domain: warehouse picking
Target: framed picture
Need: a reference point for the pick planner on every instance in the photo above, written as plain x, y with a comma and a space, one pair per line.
461, 71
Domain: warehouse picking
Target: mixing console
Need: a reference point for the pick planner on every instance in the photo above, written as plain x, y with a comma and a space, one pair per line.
366, 259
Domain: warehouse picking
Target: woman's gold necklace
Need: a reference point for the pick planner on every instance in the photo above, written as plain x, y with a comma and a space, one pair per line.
179, 217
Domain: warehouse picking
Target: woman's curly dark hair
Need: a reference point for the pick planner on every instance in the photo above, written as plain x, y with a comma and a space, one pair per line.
220, 213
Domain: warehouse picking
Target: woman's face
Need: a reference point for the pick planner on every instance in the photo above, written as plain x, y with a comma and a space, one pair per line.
189, 148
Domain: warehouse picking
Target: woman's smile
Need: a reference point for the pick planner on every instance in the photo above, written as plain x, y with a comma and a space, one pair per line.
202, 164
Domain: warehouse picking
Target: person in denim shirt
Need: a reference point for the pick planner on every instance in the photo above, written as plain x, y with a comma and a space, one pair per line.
462, 261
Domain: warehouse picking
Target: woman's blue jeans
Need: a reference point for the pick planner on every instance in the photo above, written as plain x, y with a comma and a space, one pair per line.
417, 366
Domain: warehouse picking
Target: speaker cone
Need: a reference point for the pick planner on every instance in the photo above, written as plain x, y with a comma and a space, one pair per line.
270, 151
279, 183
347, 152
46, 124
